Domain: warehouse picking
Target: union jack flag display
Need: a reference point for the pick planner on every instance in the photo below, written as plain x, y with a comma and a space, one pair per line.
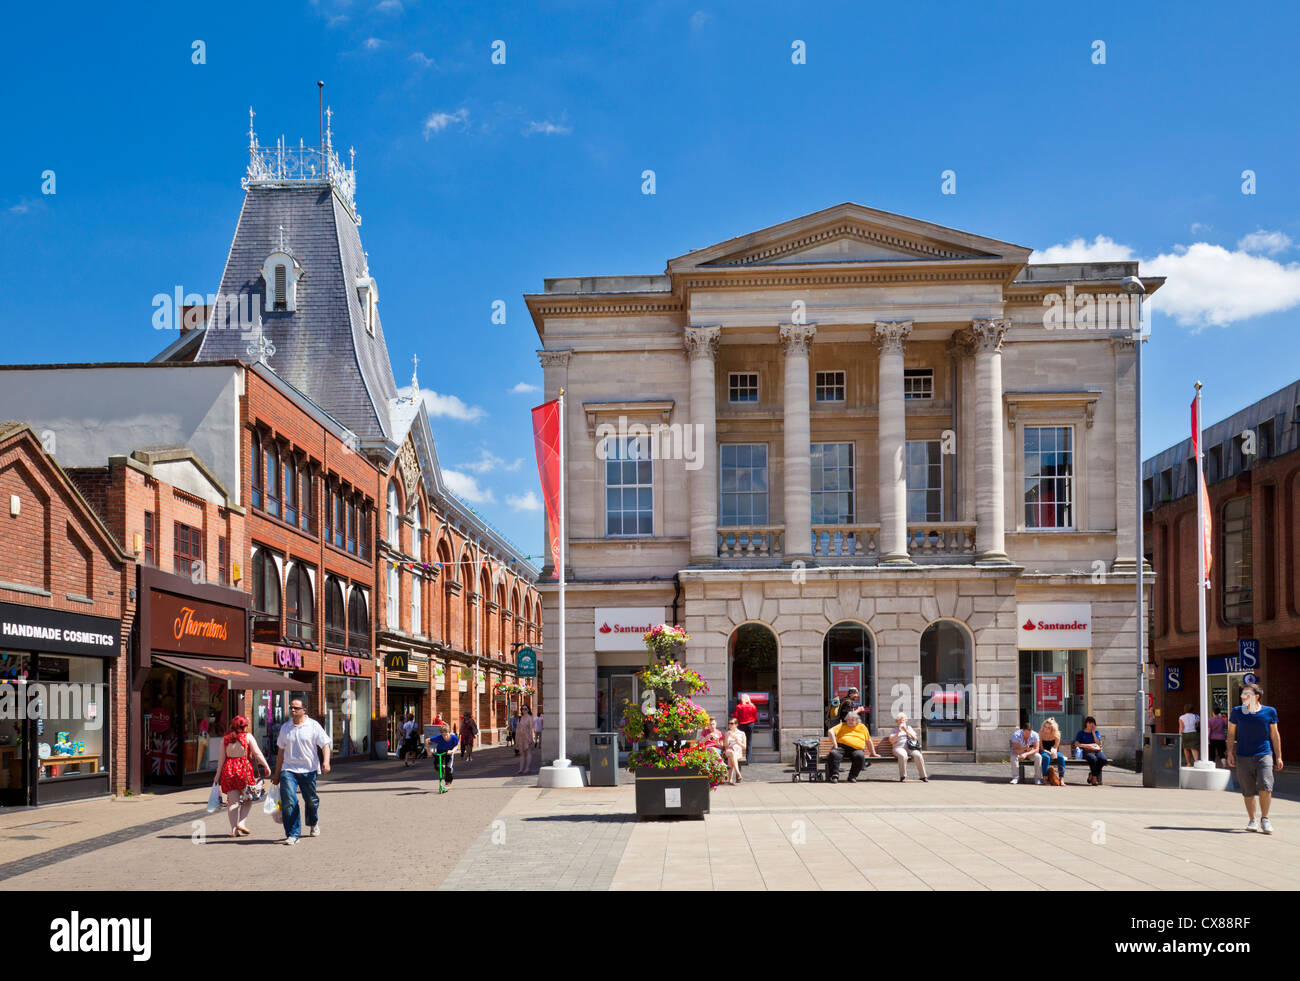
162, 757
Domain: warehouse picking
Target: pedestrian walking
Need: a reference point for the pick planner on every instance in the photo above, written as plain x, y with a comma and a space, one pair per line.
1088, 739
468, 732
537, 730
510, 730
441, 747
746, 714
1255, 750
236, 775
410, 739
525, 741
1218, 732
296, 766
906, 743
1187, 725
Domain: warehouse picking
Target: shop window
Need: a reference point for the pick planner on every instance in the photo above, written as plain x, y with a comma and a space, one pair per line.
300, 604
335, 628
1238, 592
1049, 477
358, 621
71, 718
187, 550
629, 486
832, 484
924, 467
347, 715
1053, 685
743, 484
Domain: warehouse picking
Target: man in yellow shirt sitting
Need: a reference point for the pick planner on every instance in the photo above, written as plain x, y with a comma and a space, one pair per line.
850, 737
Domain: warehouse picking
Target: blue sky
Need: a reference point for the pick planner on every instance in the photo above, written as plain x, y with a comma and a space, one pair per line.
476, 181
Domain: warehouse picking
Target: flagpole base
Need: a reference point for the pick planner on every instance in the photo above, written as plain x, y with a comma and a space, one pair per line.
1203, 776
562, 775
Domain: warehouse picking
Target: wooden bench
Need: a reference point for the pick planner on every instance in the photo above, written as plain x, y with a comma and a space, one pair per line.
882, 746
1036, 762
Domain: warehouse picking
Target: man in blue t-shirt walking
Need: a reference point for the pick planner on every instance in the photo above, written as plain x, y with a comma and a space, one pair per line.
1255, 749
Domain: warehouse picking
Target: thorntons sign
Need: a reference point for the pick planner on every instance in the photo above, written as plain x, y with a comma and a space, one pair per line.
1054, 626
621, 628
185, 625
35, 629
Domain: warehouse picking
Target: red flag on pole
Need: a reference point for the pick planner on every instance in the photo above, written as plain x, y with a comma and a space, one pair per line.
546, 441
1202, 490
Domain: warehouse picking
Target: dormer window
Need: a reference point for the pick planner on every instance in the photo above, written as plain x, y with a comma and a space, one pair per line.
281, 273
368, 296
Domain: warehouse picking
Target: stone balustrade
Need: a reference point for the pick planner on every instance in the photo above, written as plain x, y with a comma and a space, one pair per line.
845, 541
751, 542
946, 538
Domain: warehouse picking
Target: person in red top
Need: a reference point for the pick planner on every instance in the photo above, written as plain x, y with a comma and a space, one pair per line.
235, 772
746, 715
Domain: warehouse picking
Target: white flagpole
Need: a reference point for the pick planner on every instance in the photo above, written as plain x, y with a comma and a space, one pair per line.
564, 757
1202, 585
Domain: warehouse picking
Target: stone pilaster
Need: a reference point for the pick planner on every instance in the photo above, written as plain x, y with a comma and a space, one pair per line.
702, 483
797, 339
891, 441
984, 338
1126, 481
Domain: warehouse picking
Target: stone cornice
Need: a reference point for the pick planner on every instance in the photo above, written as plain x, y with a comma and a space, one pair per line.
1054, 401
612, 306
847, 229
750, 277
593, 410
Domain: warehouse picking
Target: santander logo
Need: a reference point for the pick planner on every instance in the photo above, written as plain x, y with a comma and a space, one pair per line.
1029, 625
1043, 625
604, 628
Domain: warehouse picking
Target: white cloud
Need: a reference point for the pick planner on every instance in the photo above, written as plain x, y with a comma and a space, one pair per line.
466, 488
372, 44
421, 59
548, 128
389, 7
524, 502
1197, 228
439, 121
523, 388
21, 208
1270, 243
449, 406
1210, 286
1101, 249
489, 461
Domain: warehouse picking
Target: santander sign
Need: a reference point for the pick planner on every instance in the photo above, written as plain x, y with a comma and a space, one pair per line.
621, 628
1054, 626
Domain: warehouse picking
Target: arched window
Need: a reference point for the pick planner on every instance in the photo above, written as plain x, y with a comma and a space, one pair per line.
847, 663
946, 689
266, 583
301, 606
335, 628
394, 518
416, 545
358, 621
281, 272
752, 666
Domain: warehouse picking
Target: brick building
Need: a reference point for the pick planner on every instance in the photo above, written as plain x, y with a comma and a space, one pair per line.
1254, 500
66, 611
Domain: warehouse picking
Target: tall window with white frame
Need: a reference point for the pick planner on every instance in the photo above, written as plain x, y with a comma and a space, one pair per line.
924, 480
1238, 592
833, 500
417, 609
394, 591
394, 519
742, 484
629, 486
1049, 477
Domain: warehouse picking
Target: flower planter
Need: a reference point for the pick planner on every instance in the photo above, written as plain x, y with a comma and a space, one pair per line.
680, 792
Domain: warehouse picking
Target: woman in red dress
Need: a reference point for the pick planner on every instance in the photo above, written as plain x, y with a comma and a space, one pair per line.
235, 772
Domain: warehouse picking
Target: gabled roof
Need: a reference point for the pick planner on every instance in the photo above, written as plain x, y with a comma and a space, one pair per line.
849, 233
322, 348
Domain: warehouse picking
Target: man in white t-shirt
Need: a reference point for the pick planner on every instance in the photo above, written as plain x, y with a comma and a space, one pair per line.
537, 729
298, 762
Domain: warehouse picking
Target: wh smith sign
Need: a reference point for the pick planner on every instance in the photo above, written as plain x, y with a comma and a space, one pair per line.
1053, 626
622, 628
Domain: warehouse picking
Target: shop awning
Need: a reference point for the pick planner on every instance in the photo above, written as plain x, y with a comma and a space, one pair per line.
236, 674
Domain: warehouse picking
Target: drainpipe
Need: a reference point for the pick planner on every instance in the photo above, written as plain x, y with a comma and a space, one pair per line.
677, 594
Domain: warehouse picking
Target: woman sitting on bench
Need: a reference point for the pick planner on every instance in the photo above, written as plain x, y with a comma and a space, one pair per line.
1050, 740
734, 750
850, 737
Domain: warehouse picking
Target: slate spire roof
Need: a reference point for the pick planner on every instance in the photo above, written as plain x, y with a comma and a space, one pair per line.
322, 348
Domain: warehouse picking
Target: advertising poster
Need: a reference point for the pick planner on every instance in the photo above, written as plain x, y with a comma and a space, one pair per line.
845, 675
1049, 692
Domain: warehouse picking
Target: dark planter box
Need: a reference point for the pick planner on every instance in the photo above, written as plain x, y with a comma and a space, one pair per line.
678, 792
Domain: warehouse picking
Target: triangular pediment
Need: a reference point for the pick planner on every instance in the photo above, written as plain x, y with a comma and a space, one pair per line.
848, 234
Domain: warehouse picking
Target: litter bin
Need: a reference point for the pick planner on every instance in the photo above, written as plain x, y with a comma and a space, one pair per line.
1160, 760
603, 762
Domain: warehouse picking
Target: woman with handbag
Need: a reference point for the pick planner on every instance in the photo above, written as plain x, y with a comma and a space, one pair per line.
906, 743
236, 776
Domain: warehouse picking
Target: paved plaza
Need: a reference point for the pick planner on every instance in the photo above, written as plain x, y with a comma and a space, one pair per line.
385, 827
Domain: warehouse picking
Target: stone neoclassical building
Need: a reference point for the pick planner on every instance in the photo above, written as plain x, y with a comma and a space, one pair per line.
853, 449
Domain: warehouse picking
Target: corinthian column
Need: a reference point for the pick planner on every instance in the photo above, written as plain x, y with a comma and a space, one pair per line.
797, 339
985, 338
892, 472
702, 351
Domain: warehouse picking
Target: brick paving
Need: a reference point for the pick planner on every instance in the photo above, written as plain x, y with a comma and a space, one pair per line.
385, 828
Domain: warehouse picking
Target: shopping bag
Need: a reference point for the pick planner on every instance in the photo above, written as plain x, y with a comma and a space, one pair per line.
272, 806
214, 799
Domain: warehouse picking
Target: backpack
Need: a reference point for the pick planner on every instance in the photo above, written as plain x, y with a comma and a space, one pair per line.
471, 727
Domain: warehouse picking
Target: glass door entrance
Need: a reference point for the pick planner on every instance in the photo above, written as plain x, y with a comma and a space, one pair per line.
17, 734
616, 688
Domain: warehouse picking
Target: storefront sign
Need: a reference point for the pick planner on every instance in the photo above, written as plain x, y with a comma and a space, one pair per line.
396, 661
1173, 677
1250, 678
1049, 692
185, 625
28, 628
1247, 659
622, 628
1054, 626
845, 676
287, 657
526, 664
351, 665
160, 720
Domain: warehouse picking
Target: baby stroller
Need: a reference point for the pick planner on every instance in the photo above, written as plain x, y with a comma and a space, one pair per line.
805, 759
